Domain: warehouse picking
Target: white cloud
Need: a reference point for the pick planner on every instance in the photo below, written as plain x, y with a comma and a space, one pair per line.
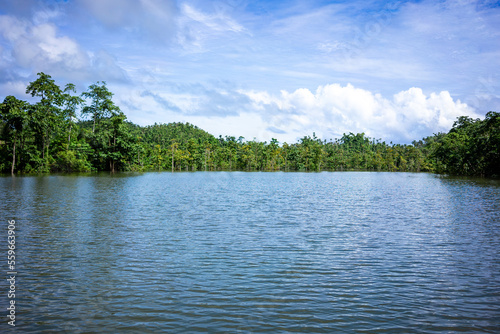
39, 47
196, 28
57, 50
31, 48
46, 14
329, 111
11, 28
334, 109
216, 22
15, 88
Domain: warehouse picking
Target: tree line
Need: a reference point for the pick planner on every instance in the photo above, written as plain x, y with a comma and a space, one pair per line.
67, 132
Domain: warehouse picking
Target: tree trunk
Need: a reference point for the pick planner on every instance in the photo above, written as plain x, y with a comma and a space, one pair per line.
112, 165
69, 136
114, 150
209, 156
14, 154
21, 147
172, 159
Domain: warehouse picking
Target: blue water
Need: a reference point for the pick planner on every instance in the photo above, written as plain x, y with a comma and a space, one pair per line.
235, 252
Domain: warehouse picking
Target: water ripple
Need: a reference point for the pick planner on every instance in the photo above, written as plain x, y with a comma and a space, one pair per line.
256, 252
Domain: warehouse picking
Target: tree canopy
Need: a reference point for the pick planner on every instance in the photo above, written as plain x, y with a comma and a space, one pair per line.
88, 132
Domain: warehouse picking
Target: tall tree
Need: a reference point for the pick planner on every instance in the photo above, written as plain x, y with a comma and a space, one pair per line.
70, 106
14, 114
46, 89
101, 105
489, 141
46, 114
174, 146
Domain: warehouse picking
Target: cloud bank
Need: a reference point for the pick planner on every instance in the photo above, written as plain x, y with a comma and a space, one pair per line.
330, 111
333, 110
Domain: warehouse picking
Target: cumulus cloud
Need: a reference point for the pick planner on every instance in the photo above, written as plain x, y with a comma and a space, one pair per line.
62, 51
333, 110
40, 47
29, 48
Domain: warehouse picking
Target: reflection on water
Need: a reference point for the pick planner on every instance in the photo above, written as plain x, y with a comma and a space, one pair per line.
255, 252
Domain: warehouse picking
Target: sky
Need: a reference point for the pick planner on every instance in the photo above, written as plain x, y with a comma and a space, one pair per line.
394, 70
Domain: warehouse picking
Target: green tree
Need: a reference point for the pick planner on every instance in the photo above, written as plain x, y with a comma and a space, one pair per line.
71, 104
14, 114
101, 105
114, 143
487, 143
173, 147
45, 114
455, 150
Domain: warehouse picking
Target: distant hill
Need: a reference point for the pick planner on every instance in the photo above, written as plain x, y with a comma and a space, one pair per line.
165, 134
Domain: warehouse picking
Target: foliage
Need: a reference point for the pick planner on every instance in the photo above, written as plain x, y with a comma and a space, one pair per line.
48, 136
14, 116
471, 147
68, 161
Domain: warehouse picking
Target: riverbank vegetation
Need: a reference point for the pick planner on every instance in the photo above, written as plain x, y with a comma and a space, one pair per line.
48, 136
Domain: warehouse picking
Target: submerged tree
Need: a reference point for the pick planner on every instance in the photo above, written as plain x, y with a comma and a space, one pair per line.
14, 114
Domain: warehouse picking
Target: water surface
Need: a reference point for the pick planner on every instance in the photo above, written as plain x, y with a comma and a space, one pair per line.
254, 252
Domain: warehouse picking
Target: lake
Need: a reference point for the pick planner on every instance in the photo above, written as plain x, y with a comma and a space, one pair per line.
236, 252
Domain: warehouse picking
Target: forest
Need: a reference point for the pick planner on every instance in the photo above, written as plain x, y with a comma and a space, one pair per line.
69, 132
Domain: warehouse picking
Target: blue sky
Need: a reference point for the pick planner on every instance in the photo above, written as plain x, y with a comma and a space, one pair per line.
397, 70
